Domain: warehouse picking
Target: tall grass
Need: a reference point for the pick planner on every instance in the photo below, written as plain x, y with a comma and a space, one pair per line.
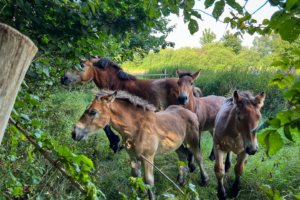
222, 81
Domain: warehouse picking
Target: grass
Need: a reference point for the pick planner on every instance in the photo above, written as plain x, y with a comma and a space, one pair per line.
111, 171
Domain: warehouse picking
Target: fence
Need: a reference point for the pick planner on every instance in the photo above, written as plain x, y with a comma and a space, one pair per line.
164, 74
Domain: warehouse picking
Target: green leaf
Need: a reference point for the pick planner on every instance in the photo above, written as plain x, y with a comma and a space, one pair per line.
27, 96
297, 65
290, 4
291, 76
25, 117
296, 52
34, 102
78, 67
289, 31
275, 143
287, 132
277, 63
218, 9
274, 123
297, 196
151, 12
286, 60
284, 67
180, 163
277, 19
289, 94
227, 19
193, 26
208, 3
266, 22
46, 69
37, 132
36, 123
285, 116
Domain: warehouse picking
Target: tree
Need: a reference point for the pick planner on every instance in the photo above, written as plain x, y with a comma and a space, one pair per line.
231, 40
207, 37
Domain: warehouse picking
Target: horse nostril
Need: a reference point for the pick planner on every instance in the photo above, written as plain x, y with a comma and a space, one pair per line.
185, 97
73, 135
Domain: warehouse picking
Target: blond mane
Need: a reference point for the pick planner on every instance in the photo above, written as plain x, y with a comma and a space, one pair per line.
135, 100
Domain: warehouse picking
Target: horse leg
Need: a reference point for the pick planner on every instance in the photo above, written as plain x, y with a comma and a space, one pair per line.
149, 178
182, 154
212, 155
135, 167
113, 138
238, 170
228, 162
195, 147
191, 162
220, 172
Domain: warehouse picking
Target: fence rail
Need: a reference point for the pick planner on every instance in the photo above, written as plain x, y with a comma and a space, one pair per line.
164, 74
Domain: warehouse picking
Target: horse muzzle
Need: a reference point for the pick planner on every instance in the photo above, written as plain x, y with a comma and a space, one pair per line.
251, 151
65, 80
78, 133
183, 98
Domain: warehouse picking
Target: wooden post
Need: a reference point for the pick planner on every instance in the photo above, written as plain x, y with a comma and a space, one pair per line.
16, 53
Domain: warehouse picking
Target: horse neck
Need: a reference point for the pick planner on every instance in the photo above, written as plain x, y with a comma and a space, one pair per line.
231, 125
111, 81
191, 105
125, 117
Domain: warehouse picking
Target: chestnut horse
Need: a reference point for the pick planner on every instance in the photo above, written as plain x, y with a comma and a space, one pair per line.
235, 121
108, 75
143, 131
206, 108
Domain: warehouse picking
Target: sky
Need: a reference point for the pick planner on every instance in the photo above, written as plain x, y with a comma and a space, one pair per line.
181, 35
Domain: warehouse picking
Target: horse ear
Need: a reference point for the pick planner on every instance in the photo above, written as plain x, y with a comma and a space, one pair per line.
259, 99
237, 98
178, 72
112, 97
196, 75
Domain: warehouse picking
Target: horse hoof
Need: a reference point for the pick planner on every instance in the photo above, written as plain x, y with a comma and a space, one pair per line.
192, 168
221, 196
182, 182
212, 158
235, 189
115, 148
204, 182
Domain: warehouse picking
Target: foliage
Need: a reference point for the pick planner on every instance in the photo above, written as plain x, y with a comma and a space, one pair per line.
207, 37
231, 40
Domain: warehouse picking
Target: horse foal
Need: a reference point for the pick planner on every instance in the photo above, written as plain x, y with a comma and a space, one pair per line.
235, 121
143, 131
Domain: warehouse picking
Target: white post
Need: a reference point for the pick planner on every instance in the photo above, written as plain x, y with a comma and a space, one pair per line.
165, 72
16, 54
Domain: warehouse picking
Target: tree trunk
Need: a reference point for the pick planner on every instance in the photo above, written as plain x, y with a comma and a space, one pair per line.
16, 53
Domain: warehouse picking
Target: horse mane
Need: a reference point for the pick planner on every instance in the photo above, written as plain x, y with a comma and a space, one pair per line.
247, 98
104, 62
135, 100
185, 74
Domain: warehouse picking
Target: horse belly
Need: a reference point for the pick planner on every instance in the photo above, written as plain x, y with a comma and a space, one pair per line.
169, 144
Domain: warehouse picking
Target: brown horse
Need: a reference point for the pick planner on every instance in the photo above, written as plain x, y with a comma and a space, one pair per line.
235, 121
108, 75
143, 131
206, 108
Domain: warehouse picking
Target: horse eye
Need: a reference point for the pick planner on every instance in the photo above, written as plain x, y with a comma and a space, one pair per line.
178, 83
93, 112
82, 66
192, 83
239, 118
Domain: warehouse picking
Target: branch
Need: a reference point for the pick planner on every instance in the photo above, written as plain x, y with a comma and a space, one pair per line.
3, 8
292, 104
45, 154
